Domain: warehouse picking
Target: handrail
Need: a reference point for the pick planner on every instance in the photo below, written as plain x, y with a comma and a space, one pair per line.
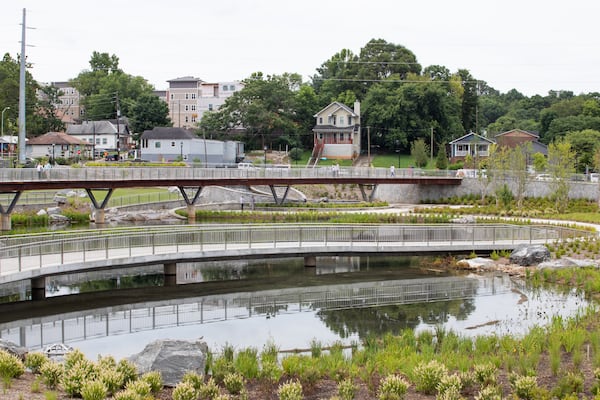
78, 248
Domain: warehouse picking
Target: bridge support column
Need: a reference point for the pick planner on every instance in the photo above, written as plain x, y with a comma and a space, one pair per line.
5, 222
310, 262
170, 272
99, 215
38, 288
191, 212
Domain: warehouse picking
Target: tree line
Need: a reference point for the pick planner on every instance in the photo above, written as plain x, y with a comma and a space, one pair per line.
401, 102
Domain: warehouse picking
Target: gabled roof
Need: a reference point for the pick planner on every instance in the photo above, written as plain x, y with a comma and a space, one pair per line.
530, 133
61, 138
334, 107
169, 133
98, 128
472, 137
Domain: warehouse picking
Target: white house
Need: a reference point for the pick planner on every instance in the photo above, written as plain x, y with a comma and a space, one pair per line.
57, 145
164, 144
106, 137
471, 144
337, 132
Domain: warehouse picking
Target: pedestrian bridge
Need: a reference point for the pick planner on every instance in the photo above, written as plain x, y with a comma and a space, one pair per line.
191, 181
36, 257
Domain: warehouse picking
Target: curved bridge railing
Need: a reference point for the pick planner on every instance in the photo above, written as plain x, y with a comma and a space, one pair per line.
50, 254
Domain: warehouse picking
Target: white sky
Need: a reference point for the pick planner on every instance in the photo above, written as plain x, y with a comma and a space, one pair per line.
531, 45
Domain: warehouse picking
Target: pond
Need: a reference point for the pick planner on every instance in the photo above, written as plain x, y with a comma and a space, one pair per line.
252, 303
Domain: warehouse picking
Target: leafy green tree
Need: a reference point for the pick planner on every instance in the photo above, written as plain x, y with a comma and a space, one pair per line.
148, 112
561, 165
9, 97
469, 100
584, 144
306, 106
47, 113
441, 160
419, 152
265, 108
540, 163
517, 158
107, 91
559, 127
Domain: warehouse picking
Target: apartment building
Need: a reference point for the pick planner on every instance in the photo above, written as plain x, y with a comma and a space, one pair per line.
68, 108
189, 98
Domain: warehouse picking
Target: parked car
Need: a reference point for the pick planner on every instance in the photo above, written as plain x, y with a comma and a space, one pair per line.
543, 177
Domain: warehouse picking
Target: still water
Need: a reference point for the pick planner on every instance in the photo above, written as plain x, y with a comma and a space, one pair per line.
251, 303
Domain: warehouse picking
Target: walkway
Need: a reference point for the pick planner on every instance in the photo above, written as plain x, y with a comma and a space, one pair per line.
36, 257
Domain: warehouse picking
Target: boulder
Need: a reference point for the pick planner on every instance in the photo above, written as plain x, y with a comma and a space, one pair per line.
172, 358
466, 219
526, 255
477, 263
13, 349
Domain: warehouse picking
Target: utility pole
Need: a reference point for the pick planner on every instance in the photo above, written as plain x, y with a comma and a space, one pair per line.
431, 150
117, 144
22, 113
369, 146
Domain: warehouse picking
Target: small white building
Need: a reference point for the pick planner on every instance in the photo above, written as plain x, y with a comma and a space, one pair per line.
54, 145
165, 144
107, 136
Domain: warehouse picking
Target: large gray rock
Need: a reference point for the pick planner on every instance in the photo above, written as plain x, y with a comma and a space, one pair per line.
526, 255
172, 358
13, 349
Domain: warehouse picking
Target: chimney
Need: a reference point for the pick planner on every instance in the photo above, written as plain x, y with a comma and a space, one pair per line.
357, 108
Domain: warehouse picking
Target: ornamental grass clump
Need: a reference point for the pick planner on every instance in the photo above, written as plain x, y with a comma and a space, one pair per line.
450, 383
524, 387
128, 371
194, 379
291, 390
51, 373
490, 392
35, 360
76, 375
234, 383
154, 379
93, 390
485, 374
246, 363
427, 376
209, 390
112, 380
140, 387
392, 387
347, 389
184, 391
10, 366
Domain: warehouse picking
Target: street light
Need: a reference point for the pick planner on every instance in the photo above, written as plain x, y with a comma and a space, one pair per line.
53, 159
3, 111
265, 156
398, 151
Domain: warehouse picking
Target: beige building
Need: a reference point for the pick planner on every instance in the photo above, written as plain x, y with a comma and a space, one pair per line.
68, 108
189, 98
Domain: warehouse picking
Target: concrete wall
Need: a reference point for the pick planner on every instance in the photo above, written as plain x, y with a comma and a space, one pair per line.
421, 193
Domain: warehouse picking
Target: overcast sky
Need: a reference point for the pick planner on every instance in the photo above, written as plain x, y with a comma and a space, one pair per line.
531, 45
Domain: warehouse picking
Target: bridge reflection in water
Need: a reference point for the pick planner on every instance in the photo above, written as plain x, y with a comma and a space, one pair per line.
36, 333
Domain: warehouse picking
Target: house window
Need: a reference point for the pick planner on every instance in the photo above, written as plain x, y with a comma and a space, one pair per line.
97, 140
320, 136
232, 88
225, 88
210, 107
320, 120
104, 141
193, 96
341, 120
186, 107
462, 147
172, 96
193, 119
193, 107
186, 119
482, 148
187, 96
172, 144
341, 134
157, 145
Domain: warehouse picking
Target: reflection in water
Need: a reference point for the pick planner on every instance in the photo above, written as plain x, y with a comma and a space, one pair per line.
345, 299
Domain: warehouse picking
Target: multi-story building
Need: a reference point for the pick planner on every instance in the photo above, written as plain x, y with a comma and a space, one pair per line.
68, 108
189, 98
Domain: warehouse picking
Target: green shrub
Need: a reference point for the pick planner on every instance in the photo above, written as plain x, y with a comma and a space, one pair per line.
428, 376
128, 371
234, 382
489, 392
449, 382
193, 378
222, 366
113, 380
392, 387
524, 387
52, 374
347, 389
76, 376
154, 379
209, 390
291, 390
485, 374
246, 363
316, 348
271, 371
140, 387
571, 383
185, 391
93, 390
35, 360
10, 365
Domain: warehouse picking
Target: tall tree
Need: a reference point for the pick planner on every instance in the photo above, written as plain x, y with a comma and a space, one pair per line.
148, 112
561, 165
469, 100
106, 90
